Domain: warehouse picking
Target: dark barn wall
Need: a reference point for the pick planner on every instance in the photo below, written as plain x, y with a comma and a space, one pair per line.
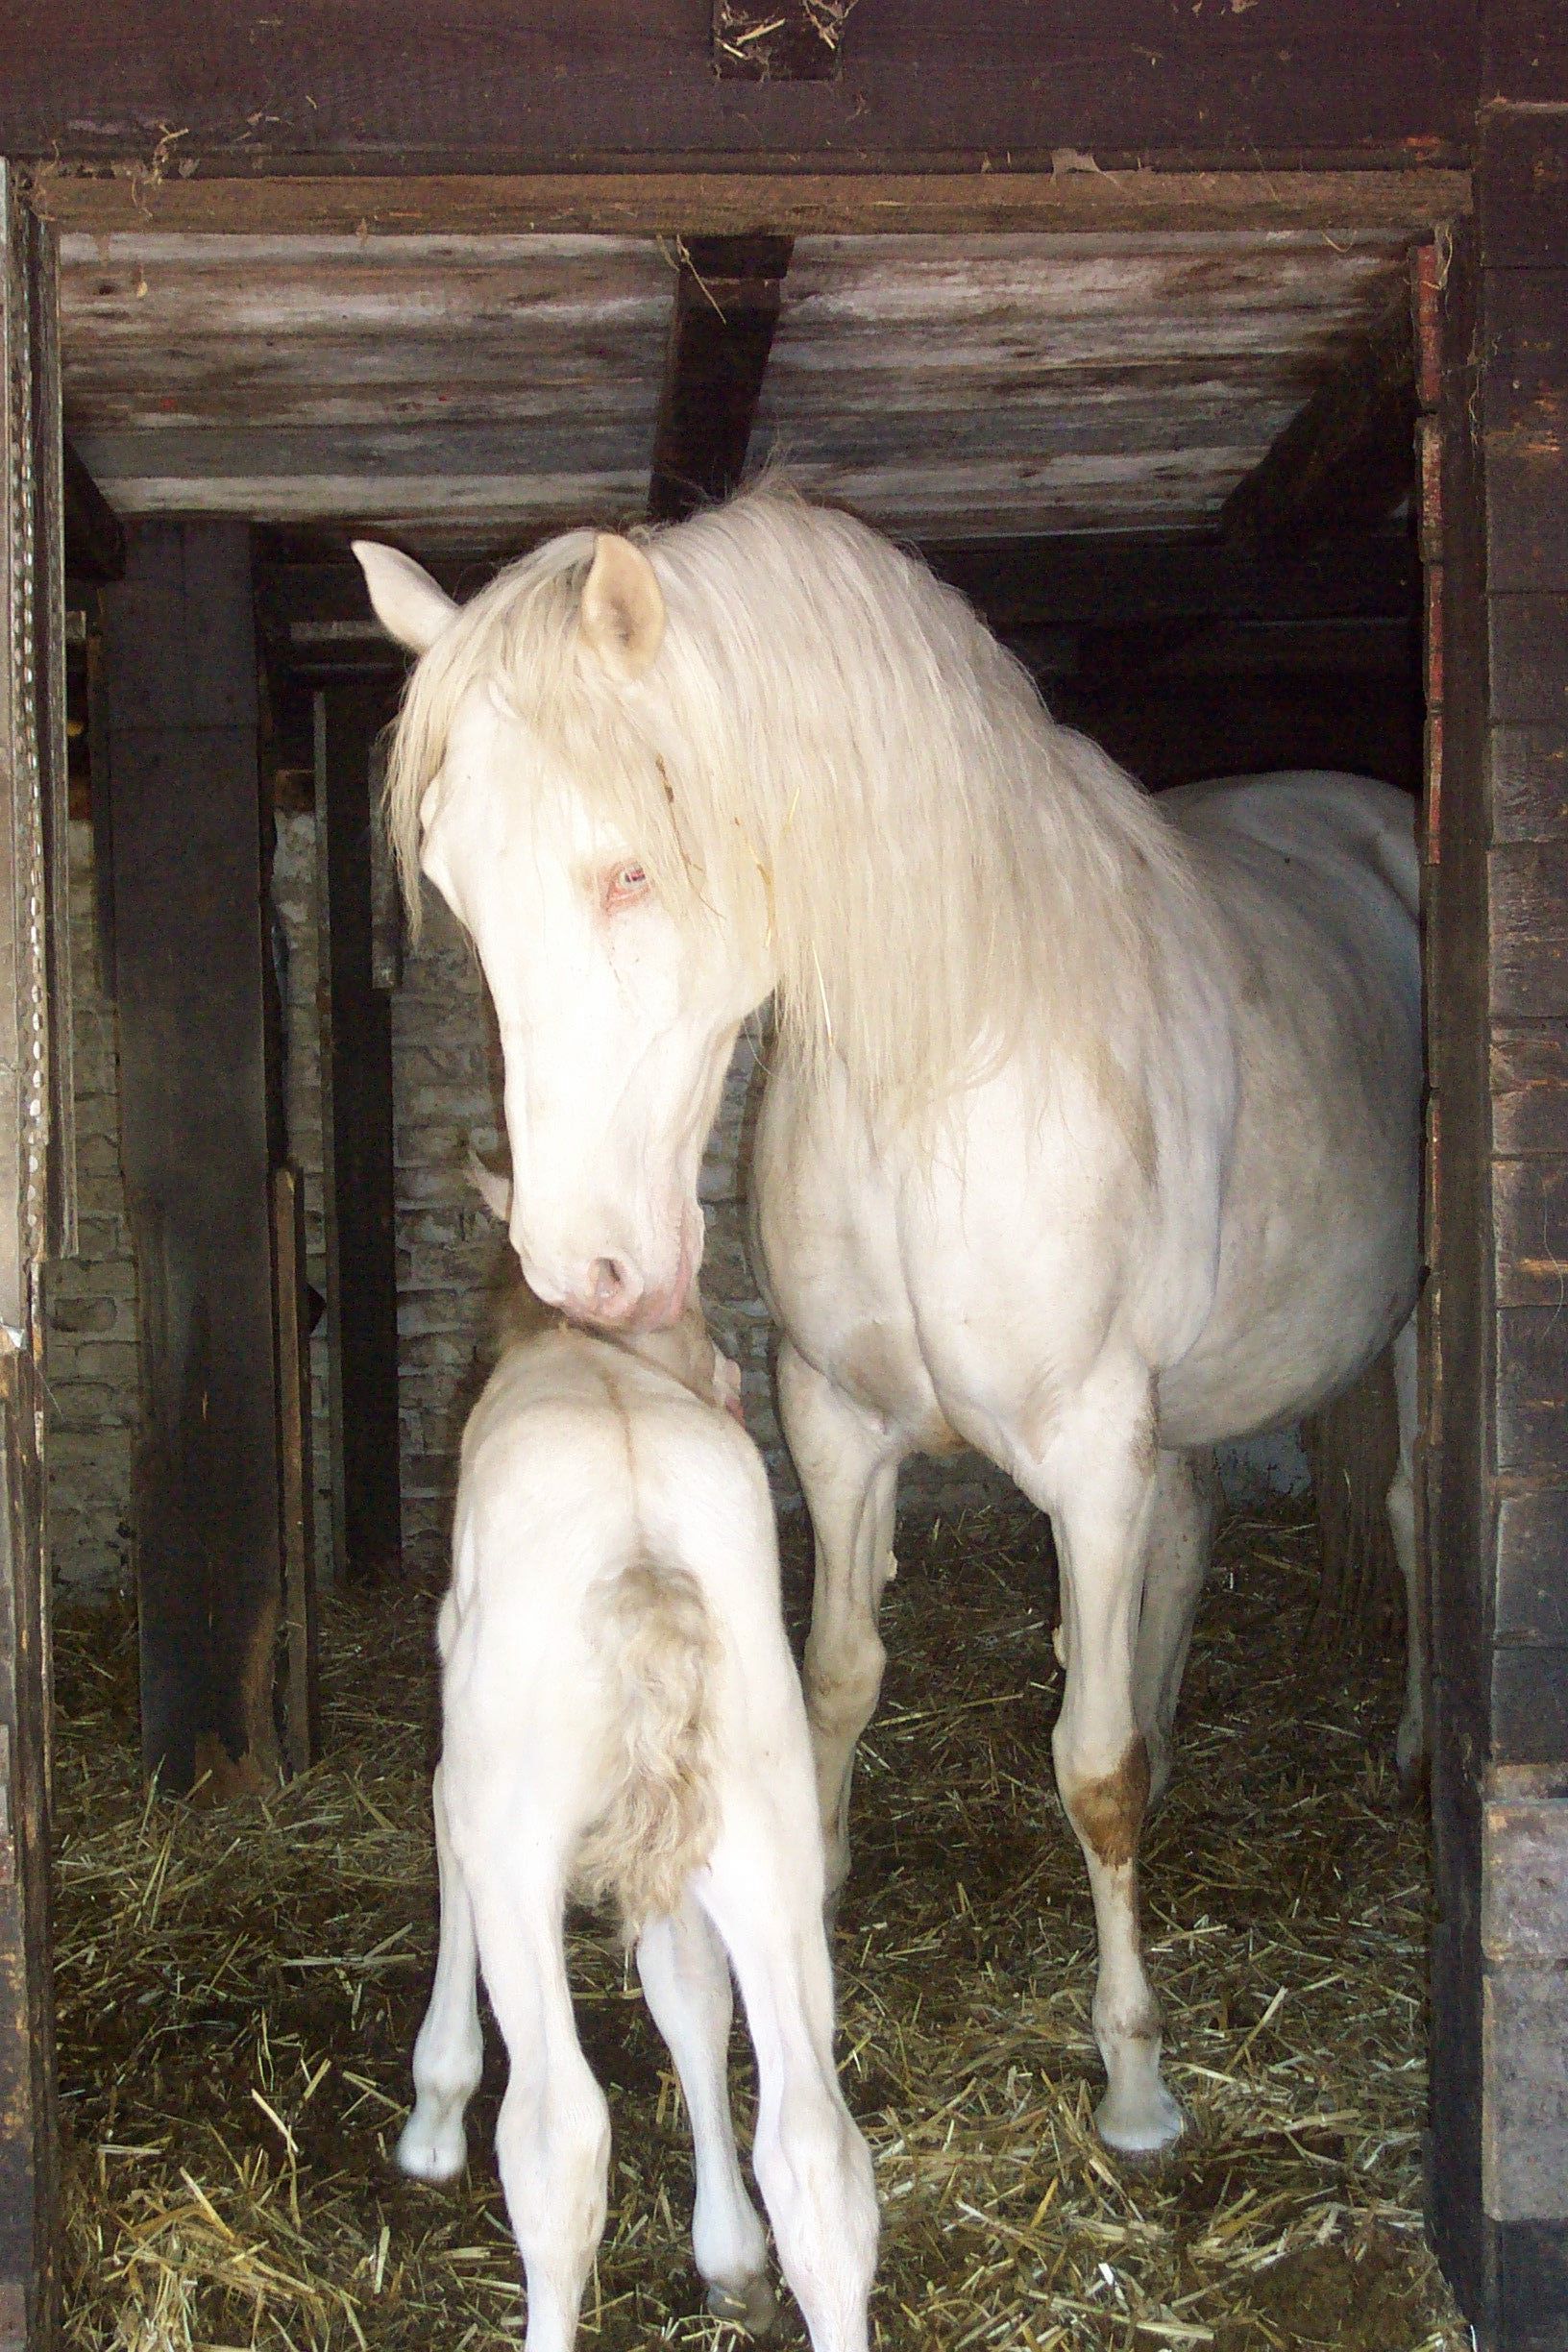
1495, 1340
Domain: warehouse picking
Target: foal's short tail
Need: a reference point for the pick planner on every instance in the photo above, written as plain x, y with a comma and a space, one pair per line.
656, 1645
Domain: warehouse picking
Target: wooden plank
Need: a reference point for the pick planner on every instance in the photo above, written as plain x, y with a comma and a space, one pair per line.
1529, 1089
648, 198
189, 956
1531, 1375
777, 40
728, 295
1523, 220
1524, 1906
1456, 1428
1524, 52
1529, 1702
357, 1138
24, 1032
1531, 1598
1529, 683
301, 1682
1530, 1214
1525, 2149
1526, 429
1347, 460
48, 663
29, 2146
382, 80
1530, 782
1528, 924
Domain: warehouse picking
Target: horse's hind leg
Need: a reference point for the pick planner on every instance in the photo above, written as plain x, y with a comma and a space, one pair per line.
686, 1983
847, 1461
1180, 1537
448, 2053
1097, 1480
1411, 1744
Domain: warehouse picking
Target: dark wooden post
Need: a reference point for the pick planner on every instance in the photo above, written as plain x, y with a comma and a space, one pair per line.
181, 681
1495, 1491
35, 1222
357, 1134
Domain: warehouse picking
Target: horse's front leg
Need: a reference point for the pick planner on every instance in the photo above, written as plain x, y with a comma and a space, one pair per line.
847, 1462
1181, 1534
1098, 1482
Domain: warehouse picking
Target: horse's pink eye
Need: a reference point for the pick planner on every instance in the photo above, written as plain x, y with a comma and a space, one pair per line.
624, 883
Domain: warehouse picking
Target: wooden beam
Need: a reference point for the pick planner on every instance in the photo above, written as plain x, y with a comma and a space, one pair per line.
317, 622
358, 1137
777, 40
644, 196
392, 80
179, 676
94, 534
1348, 461
1123, 579
726, 307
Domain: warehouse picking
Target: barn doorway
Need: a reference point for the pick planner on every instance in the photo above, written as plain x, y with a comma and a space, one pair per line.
1222, 600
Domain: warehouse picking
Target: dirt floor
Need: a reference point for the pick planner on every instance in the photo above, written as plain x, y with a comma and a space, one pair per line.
239, 1992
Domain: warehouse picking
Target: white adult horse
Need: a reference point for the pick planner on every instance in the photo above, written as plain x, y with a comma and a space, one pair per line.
1092, 1130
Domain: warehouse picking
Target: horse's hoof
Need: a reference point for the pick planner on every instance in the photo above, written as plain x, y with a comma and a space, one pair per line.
1140, 2136
752, 2304
430, 2156
1415, 1784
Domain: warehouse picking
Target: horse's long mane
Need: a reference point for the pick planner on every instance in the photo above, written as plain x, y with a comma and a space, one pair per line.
832, 756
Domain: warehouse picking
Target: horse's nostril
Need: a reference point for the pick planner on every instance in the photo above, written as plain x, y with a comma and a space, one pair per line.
608, 1285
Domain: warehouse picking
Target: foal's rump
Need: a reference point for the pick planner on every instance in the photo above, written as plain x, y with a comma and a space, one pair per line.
613, 1624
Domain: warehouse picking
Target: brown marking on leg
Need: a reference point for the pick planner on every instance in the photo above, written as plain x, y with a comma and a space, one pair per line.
1108, 1813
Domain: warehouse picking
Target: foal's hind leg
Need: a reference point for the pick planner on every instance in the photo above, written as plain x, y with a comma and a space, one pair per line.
763, 1888
449, 2052
686, 1983
1411, 1744
1180, 1535
553, 2140
847, 1461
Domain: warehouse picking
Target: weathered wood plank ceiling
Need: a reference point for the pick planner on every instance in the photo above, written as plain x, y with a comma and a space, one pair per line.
469, 392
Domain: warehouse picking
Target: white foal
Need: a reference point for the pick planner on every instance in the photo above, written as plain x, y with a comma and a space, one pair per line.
621, 1718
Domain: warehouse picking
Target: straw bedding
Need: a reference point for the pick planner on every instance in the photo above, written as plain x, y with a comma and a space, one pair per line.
239, 1990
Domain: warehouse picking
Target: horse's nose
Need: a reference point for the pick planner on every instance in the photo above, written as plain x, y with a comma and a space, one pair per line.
612, 1294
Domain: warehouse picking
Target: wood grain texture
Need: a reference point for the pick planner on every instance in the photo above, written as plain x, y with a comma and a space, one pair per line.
1525, 415
189, 955
1392, 81
1522, 214
646, 197
1529, 1089
29, 2131
1532, 1597
726, 306
1528, 931
1524, 2034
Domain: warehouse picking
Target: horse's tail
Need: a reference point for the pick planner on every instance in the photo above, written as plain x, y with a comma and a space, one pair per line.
656, 1646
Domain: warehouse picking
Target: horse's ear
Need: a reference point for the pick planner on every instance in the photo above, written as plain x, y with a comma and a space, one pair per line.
622, 607
408, 602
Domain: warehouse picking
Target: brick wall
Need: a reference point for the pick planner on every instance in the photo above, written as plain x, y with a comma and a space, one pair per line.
90, 1351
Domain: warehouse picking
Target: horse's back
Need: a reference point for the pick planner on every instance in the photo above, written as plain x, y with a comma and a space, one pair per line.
1319, 813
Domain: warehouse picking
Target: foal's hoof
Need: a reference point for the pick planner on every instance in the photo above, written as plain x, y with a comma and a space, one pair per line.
1141, 2133
752, 2304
